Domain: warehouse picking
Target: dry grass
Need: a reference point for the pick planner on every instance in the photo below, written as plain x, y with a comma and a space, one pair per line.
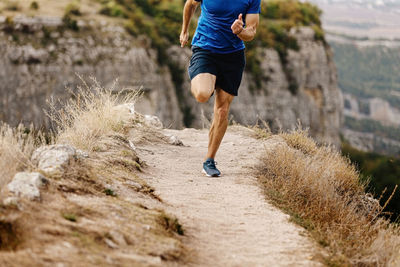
262, 131
322, 191
16, 147
90, 114
99, 204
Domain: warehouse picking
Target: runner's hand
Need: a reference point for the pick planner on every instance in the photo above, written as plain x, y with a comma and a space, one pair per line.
237, 26
184, 38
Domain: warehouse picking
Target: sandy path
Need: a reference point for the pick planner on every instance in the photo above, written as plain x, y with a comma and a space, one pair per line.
227, 221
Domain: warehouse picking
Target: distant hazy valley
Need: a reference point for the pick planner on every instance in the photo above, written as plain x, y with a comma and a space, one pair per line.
362, 18
365, 38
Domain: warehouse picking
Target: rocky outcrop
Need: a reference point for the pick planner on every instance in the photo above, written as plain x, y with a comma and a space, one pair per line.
375, 108
41, 60
27, 185
54, 158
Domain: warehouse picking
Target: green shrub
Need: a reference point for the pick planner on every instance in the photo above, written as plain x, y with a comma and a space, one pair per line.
113, 9
302, 14
70, 23
72, 9
110, 192
319, 33
70, 217
34, 5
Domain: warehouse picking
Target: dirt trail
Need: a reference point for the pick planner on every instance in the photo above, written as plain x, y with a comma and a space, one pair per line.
227, 221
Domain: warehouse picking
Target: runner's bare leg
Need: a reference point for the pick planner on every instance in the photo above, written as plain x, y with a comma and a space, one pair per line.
219, 125
202, 87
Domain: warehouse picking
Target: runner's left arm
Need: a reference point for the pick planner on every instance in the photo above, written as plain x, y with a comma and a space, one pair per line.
188, 11
246, 33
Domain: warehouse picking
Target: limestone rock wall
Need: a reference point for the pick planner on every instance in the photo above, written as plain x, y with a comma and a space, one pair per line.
39, 60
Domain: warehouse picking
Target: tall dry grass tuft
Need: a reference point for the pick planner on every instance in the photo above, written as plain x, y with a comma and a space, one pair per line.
322, 191
16, 148
92, 112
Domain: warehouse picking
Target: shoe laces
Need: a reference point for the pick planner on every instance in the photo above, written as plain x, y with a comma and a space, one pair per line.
211, 164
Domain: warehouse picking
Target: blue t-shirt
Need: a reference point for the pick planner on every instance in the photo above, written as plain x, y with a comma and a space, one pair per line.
214, 27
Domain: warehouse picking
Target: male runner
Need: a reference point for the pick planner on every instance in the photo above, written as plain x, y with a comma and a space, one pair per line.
218, 59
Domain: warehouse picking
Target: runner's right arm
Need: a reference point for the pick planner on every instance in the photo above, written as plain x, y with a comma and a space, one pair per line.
188, 11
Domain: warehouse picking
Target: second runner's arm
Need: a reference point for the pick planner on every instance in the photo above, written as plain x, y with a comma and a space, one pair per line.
188, 11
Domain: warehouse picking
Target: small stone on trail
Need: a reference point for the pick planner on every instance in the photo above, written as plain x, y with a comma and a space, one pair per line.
110, 243
27, 185
173, 140
153, 121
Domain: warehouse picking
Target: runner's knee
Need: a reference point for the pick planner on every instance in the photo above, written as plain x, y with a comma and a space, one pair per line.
201, 96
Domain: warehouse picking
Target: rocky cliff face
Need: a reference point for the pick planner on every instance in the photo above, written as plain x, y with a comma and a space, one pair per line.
40, 59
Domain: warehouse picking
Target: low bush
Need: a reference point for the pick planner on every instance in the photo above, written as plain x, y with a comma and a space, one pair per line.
34, 5
73, 9
111, 8
91, 113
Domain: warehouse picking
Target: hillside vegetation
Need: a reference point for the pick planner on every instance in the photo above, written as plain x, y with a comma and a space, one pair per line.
324, 193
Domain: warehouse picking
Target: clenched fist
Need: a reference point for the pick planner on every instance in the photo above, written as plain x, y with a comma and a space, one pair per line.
184, 37
237, 26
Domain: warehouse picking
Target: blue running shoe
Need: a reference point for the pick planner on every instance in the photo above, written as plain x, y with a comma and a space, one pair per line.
210, 169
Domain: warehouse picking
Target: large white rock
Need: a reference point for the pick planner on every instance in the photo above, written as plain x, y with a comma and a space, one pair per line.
53, 158
27, 185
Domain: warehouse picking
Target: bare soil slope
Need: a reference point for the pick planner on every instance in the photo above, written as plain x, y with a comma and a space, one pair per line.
227, 220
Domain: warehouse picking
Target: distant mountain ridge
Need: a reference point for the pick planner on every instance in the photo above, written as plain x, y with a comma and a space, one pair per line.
362, 18
392, 6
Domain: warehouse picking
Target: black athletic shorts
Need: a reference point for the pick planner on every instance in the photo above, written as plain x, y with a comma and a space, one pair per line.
228, 68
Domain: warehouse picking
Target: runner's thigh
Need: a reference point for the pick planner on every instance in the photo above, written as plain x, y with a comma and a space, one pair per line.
204, 82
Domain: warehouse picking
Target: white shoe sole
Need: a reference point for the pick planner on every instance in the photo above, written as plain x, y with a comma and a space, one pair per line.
204, 171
